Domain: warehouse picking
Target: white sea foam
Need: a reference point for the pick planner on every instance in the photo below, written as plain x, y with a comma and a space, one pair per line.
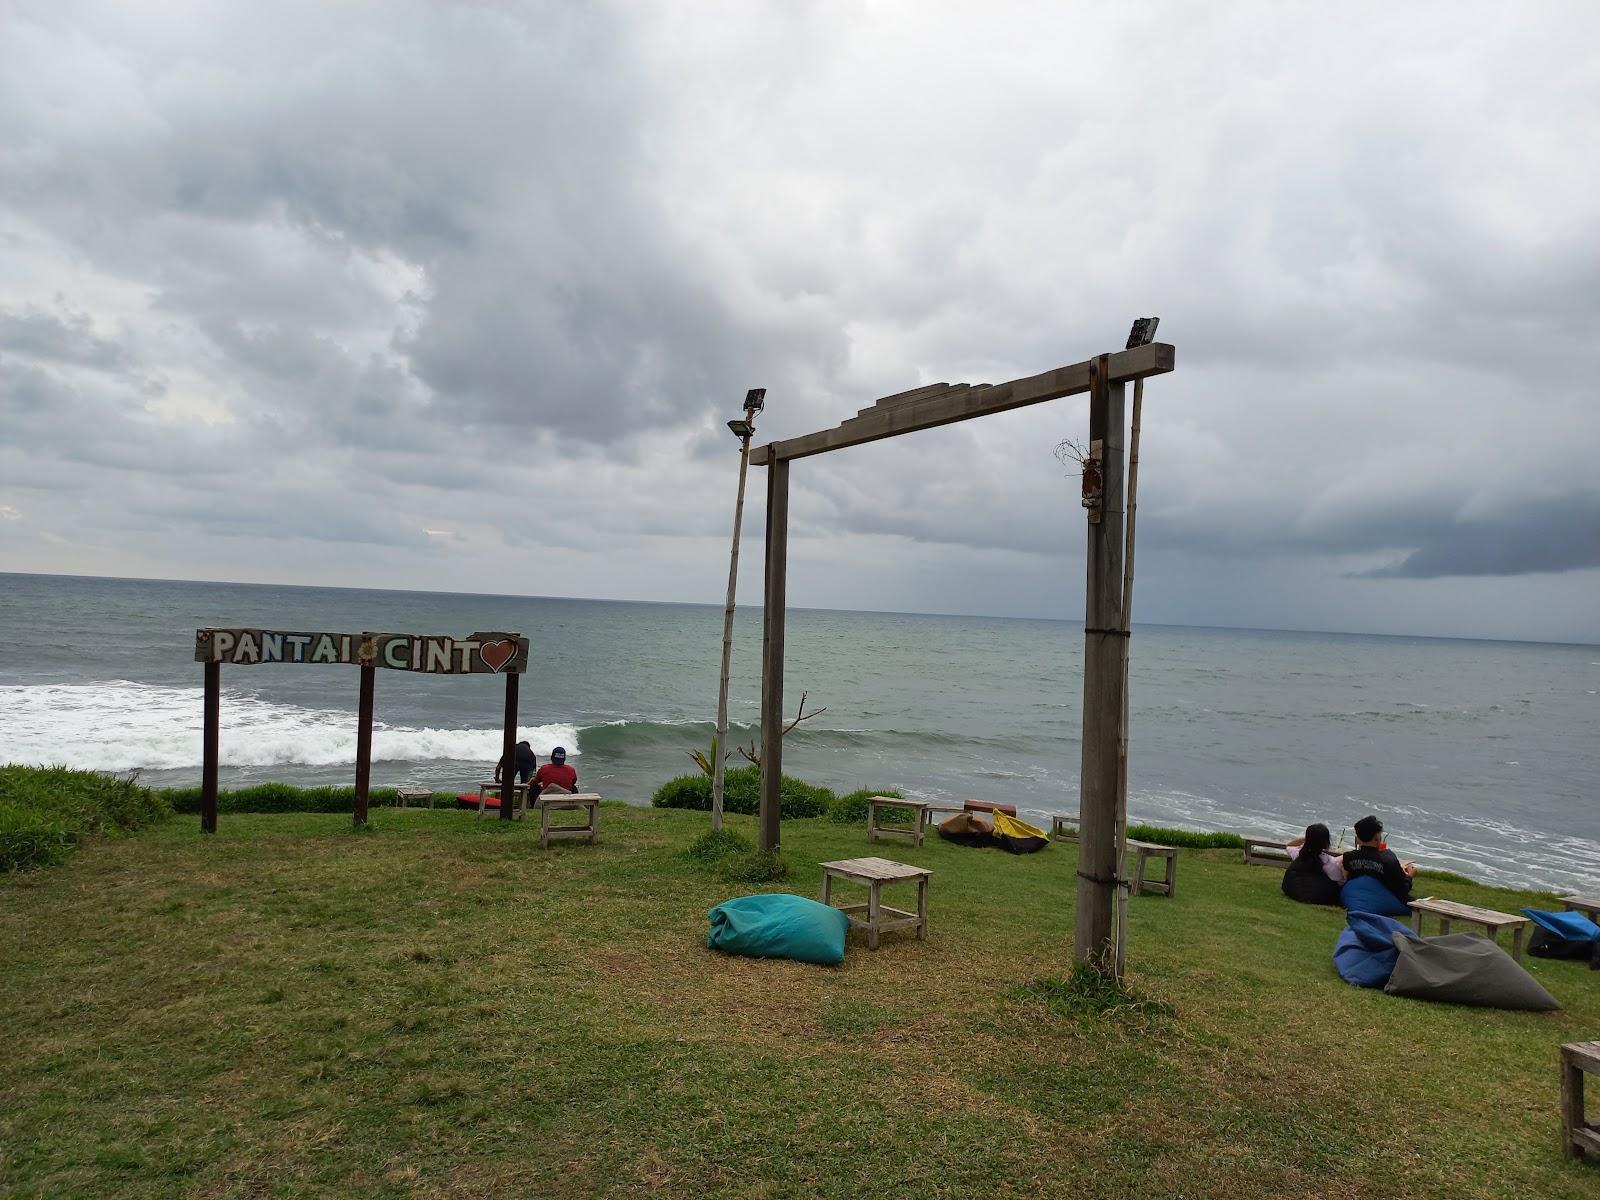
118, 726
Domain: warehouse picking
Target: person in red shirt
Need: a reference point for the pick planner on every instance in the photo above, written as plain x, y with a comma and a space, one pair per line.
557, 772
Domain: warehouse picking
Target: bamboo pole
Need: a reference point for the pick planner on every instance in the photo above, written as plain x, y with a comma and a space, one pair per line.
719, 747
1126, 639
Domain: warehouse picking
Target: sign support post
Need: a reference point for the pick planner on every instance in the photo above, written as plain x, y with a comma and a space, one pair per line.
508, 753
209, 739
369, 679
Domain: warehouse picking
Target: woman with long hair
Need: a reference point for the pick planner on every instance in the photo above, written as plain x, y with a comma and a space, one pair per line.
1314, 874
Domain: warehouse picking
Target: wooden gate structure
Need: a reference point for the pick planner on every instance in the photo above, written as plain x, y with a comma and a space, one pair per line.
481, 654
1105, 378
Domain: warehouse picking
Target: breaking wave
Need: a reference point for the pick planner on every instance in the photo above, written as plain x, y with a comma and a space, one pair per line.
119, 726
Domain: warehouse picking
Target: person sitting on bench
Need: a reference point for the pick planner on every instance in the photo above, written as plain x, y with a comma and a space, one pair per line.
557, 775
1314, 875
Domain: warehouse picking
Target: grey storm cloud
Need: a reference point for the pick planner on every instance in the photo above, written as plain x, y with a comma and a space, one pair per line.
441, 281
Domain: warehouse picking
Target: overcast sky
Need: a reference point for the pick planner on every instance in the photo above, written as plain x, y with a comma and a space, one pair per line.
458, 296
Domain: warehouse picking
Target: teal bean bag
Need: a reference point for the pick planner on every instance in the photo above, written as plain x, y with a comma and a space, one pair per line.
779, 926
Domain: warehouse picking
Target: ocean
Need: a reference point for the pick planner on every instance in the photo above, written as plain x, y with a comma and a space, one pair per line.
1481, 757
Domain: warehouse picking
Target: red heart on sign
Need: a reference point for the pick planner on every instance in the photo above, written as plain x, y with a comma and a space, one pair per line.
497, 654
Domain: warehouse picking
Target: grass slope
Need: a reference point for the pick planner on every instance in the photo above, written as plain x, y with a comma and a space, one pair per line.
438, 1008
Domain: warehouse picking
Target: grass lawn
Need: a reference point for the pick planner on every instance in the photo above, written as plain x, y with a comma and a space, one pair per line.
438, 1008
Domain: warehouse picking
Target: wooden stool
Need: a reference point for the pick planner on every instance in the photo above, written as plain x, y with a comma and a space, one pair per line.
1166, 885
519, 797
1490, 921
928, 819
917, 808
589, 831
1587, 906
875, 872
405, 796
1064, 828
1578, 1134
1266, 852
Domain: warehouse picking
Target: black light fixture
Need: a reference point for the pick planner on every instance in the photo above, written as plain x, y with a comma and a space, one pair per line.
754, 401
1143, 332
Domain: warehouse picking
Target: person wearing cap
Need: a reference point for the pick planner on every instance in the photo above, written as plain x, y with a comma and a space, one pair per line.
1371, 858
557, 772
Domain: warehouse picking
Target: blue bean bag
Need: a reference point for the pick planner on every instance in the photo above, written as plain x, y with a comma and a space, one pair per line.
1562, 934
1365, 894
779, 926
1365, 953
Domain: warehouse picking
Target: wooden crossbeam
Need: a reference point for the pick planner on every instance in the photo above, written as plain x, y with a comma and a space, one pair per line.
945, 404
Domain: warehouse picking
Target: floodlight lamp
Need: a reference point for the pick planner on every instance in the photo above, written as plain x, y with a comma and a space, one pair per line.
741, 429
755, 400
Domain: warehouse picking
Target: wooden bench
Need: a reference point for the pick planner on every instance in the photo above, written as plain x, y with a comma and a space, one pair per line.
1579, 1135
1141, 851
519, 797
1266, 852
552, 802
405, 797
1588, 907
1064, 827
1449, 912
914, 831
875, 872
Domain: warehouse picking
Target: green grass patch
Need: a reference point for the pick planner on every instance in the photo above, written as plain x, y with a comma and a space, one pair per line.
440, 1008
851, 808
1191, 839
756, 867
278, 798
717, 844
46, 811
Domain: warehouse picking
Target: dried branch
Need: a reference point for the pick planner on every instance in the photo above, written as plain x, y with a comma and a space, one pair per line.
1072, 451
753, 756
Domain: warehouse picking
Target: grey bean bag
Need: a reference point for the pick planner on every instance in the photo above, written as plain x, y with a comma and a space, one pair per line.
1463, 968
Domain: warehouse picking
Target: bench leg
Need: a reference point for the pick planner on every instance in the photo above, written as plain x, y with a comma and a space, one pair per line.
544, 827
1416, 921
1571, 1106
872, 822
1516, 943
827, 888
922, 909
1138, 872
872, 915
1444, 926
1172, 875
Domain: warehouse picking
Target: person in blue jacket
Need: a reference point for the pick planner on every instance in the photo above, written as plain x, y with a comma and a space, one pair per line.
1374, 860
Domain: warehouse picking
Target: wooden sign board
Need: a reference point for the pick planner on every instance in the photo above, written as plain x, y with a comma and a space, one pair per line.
494, 653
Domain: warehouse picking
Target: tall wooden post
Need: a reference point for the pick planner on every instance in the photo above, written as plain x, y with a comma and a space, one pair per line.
208, 747
508, 752
369, 679
772, 652
1098, 868
719, 752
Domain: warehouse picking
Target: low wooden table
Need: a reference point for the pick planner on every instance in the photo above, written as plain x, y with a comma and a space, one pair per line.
519, 797
1266, 852
403, 797
1449, 912
917, 808
1588, 907
1578, 1133
548, 803
1168, 883
1064, 827
875, 872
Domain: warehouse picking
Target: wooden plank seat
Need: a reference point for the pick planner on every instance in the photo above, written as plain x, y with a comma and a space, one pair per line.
1449, 912
519, 797
1579, 1135
1588, 906
912, 832
1266, 852
988, 806
1167, 885
874, 917
554, 801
